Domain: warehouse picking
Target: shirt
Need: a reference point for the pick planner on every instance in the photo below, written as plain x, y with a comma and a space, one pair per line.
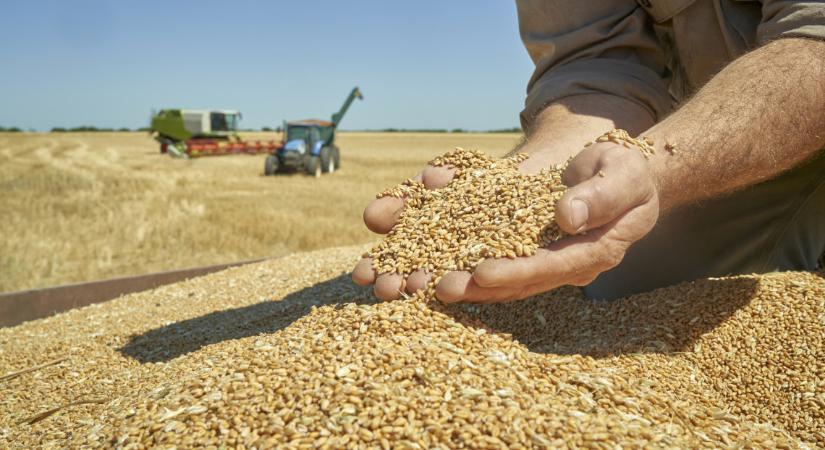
652, 52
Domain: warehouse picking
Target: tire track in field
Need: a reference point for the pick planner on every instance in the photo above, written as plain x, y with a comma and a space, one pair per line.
118, 162
69, 157
24, 154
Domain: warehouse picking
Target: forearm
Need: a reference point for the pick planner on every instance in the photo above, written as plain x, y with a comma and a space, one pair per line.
561, 130
761, 115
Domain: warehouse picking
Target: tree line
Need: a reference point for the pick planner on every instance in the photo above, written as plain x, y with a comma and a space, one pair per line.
89, 128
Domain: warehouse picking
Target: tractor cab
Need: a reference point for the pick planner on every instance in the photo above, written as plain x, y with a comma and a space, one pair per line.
302, 137
307, 146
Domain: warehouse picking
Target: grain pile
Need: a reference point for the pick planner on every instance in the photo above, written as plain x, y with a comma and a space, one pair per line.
289, 353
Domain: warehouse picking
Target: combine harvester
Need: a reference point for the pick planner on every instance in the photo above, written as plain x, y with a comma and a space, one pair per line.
190, 133
310, 144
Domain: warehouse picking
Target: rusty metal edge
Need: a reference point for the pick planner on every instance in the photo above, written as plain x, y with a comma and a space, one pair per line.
22, 306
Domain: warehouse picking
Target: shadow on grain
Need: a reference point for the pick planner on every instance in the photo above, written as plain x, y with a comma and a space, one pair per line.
562, 322
179, 338
666, 320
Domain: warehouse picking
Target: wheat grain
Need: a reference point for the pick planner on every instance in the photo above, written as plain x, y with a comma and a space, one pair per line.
289, 354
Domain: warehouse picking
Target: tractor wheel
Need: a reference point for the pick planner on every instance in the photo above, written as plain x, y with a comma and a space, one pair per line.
314, 166
336, 156
271, 165
327, 162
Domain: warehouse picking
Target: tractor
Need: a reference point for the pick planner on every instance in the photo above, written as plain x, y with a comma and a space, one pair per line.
309, 145
193, 132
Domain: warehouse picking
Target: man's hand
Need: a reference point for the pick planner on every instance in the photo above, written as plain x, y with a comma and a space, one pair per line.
612, 197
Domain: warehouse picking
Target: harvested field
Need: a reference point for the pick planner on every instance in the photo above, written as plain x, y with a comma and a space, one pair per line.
85, 206
290, 351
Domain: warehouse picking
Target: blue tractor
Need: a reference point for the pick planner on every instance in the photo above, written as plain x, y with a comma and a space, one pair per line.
309, 145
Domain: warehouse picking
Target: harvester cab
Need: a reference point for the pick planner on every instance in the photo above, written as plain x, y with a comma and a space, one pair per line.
173, 127
310, 144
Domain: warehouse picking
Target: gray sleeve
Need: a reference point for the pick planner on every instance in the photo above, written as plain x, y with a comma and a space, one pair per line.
594, 46
783, 18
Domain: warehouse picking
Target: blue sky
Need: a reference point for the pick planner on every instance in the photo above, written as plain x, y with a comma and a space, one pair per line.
420, 64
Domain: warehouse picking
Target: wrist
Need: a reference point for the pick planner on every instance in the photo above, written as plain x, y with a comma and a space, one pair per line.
656, 167
662, 167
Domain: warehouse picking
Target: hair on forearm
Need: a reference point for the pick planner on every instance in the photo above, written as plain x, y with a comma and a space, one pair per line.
760, 116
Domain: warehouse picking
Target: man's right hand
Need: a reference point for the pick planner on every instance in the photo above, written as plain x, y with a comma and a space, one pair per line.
380, 216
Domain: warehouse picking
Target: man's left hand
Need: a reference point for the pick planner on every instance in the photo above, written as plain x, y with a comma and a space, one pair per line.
612, 202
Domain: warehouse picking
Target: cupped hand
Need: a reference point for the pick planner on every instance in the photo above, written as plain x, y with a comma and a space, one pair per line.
380, 216
612, 202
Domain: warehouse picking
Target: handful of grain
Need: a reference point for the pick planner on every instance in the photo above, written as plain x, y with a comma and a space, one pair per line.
489, 210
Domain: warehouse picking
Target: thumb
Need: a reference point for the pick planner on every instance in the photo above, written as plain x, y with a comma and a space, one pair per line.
600, 199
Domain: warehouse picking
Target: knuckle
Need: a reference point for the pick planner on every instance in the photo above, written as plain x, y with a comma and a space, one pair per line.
427, 174
519, 294
444, 293
436, 177
584, 279
485, 276
599, 192
612, 155
612, 255
574, 174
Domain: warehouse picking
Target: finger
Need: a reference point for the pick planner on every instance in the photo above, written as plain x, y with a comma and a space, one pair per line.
363, 273
622, 185
382, 214
455, 287
538, 268
435, 177
572, 260
388, 286
588, 260
417, 280
583, 167
460, 287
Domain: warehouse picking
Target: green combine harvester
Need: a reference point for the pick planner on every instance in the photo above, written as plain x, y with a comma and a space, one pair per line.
309, 145
193, 132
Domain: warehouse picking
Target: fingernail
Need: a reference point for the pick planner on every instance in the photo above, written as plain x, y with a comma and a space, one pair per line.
579, 214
